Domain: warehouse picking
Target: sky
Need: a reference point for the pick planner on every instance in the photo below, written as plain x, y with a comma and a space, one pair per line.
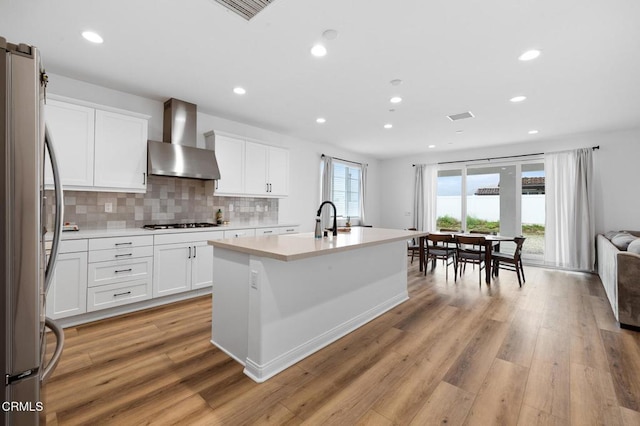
452, 185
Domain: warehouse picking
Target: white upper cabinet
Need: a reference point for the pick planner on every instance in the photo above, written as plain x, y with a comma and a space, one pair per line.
278, 171
98, 148
256, 174
230, 157
121, 151
251, 168
71, 128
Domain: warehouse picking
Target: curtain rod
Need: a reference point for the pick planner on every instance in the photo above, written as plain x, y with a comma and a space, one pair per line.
346, 161
501, 158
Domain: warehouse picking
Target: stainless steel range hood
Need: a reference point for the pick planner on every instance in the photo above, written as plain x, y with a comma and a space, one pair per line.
178, 154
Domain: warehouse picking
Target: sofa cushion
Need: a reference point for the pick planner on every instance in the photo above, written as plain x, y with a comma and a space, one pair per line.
609, 235
634, 246
622, 240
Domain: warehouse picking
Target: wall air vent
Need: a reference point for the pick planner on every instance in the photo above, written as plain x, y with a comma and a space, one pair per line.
245, 8
460, 116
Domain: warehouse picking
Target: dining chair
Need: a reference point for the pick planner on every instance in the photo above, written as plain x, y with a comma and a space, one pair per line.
511, 262
468, 250
440, 247
412, 245
449, 230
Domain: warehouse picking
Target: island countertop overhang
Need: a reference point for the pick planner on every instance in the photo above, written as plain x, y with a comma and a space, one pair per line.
291, 247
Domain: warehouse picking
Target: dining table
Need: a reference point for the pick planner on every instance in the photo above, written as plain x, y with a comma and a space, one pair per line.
491, 241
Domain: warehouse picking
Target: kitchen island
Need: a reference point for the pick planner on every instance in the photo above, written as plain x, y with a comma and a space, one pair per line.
280, 298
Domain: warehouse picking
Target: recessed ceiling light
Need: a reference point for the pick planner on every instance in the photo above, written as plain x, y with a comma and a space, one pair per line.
533, 132
395, 100
517, 99
396, 82
459, 131
388, 126
392, 110
318, 50
431, 146
321, 120
92, 37
330, 35
239, 90
529, 55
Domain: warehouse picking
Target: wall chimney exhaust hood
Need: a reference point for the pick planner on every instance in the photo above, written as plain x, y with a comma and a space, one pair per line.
178, 155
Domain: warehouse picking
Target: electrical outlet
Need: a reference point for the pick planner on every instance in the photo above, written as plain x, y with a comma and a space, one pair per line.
407, 213
108, 207
254, 280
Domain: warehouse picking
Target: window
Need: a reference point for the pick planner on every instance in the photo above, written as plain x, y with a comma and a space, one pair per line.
346, 189
506, 198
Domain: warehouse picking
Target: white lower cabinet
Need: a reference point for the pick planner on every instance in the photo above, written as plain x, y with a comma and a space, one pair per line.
183, 262
67, 295
119, 271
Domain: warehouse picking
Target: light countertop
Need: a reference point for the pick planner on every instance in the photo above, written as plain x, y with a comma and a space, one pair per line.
299, 246
106, 233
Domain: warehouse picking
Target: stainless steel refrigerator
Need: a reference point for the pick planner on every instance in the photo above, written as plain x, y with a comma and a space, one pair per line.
25, 272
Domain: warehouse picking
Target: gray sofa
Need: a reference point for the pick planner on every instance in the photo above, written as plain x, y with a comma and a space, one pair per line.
619, 270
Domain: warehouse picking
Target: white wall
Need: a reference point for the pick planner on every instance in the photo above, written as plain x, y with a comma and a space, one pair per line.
617, 198
304, 156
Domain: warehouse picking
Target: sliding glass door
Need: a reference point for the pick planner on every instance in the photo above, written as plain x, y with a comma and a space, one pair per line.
506, 199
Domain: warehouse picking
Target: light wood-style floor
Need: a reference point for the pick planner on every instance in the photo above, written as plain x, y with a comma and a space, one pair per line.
547, 354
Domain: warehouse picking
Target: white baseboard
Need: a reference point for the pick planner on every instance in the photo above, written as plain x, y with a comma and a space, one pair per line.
260, 373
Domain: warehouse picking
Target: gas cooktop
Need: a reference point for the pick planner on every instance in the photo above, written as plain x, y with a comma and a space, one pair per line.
154, 227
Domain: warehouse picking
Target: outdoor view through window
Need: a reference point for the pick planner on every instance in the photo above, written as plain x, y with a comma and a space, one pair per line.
506, 199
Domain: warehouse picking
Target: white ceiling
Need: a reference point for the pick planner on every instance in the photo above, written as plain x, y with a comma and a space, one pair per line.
453, 56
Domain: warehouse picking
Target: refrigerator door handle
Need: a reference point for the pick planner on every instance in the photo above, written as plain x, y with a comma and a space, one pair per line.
48, 275
57, 330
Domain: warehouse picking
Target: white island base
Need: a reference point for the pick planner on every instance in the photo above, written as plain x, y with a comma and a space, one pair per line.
269, 313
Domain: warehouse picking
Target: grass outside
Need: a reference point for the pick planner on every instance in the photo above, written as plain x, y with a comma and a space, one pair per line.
534, 243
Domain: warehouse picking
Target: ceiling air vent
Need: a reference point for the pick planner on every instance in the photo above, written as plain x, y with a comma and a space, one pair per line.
460, 116
245, 8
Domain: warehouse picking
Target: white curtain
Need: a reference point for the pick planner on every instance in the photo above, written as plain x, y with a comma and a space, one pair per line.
418, 198
363, 187
430, 196
570, 222
327, 189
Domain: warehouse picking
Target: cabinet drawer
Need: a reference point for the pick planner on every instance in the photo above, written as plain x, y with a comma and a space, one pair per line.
187, 237
122, 253
240, 233
268, 231
290, 230
120, 242
103, 273
112, 295
69, 246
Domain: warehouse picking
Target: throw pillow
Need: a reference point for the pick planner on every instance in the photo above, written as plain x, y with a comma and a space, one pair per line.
622, 241
634, 246
609, 235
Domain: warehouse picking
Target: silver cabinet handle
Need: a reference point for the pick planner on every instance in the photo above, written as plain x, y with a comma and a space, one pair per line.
216, 184
144, 178
189, 252
267, 232
122, 294
124, 244
123, 255
123, 270
195, 251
